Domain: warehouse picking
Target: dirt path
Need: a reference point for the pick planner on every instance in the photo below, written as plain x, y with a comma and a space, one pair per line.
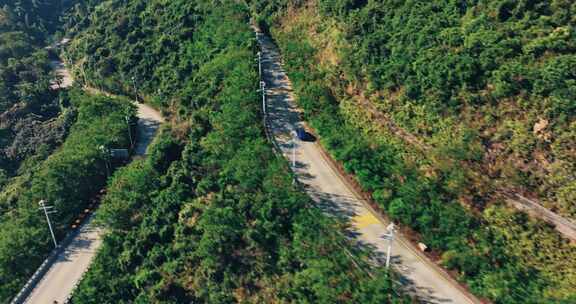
64, 79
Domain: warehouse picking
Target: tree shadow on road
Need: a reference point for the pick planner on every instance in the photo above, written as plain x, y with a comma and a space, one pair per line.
147, 128
80, 243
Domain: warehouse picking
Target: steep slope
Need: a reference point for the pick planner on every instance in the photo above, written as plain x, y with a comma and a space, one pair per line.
332, 191
485, 83
68, 179
427, 164
28, 107
212, 215
48, 141
70, 263
33, 119
36, 18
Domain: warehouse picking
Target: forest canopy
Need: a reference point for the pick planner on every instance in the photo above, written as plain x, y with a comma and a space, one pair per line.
436, 107
212, 216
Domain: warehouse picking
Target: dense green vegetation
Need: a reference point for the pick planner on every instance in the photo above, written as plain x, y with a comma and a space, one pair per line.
31, 121
68, 179
489, 82
27, 105
211, 216
409, 59
25, 95
147, 47
48, 141
37, 18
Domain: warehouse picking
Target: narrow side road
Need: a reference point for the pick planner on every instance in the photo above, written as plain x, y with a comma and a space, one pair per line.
535, 208
75, 259
328, 189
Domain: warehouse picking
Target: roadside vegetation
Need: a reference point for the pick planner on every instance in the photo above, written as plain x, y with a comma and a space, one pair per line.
68, 180
28, 107
49, 141
464, 77
212, 216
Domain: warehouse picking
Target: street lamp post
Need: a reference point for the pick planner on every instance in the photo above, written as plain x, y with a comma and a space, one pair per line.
294, 141
390, 237
260, 65
263, 90
106, 153
294, 145
47, 210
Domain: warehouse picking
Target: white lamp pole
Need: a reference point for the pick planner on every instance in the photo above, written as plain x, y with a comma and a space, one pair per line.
135, 89
47, 210
294, 141
390, 237
263, 89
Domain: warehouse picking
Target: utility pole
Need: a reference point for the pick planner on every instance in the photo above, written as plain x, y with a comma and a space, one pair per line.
263, 90
106, 153
294, 141
84, 62
48, 210
390, 237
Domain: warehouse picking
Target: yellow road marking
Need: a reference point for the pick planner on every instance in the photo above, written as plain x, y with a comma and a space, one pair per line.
365, 220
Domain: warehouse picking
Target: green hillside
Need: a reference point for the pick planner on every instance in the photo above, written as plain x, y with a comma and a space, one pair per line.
438, 106
487, 83
212, 215
48, 142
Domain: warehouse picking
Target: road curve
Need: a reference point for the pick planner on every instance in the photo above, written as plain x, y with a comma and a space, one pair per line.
326, 187
74, 260
149, 121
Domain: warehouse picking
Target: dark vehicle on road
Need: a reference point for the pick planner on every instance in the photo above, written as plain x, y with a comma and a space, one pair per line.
303, 135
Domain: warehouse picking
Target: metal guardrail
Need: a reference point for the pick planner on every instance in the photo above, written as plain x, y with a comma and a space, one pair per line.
563, 225
31, 284
36, 277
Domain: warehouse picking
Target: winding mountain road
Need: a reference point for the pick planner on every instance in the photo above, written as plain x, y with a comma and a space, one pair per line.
66, 272
330, 191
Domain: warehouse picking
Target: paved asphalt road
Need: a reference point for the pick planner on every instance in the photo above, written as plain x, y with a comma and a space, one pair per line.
328, 189
68, 268
75, 259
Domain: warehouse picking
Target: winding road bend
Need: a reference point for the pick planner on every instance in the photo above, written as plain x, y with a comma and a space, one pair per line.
328, 189
60, 280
